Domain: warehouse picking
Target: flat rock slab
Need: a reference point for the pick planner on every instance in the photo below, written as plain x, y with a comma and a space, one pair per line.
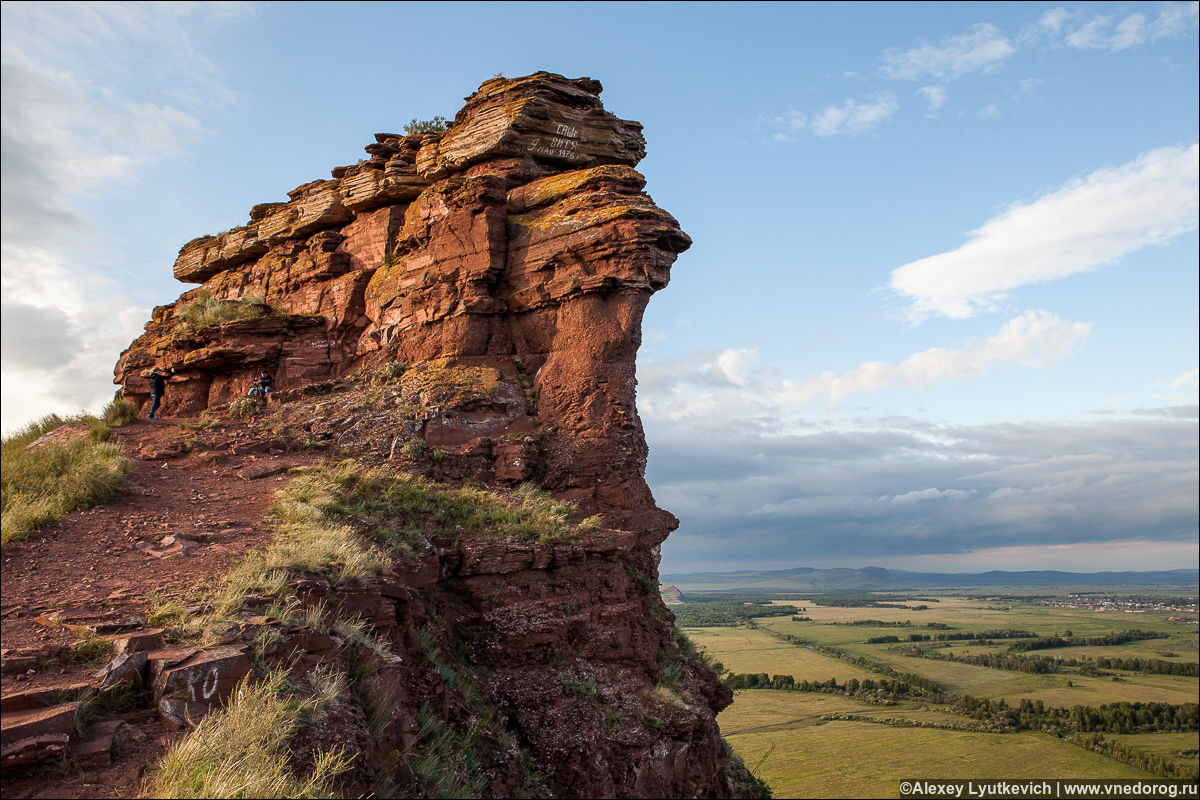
263, 470
209, 676
171, 546
44, 697
95, 750
85, 618
142, 639
167, 657
60, 436
36, 722
34, 750
15, 665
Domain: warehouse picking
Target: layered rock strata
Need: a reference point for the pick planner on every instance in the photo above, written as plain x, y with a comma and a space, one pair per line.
485, 286
519, 239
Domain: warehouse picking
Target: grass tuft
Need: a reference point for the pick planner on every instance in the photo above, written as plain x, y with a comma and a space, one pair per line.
242, 751
405, 510
44, 484
205, 310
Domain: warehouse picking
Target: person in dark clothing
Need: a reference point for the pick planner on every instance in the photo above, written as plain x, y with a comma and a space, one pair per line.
261, 388
158, 387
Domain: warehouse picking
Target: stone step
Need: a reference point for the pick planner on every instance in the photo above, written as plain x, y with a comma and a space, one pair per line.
94, 750
35, 722
43, 697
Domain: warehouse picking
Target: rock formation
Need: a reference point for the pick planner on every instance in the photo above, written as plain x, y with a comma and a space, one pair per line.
494, 274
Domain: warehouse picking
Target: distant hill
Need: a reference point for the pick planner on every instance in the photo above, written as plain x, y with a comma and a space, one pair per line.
807, 579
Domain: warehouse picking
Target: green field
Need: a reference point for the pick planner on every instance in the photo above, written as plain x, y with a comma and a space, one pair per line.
862, 759
790, 740
747, 650
1178, 748
975, 615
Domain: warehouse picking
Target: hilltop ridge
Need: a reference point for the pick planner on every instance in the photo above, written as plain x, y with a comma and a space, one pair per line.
464, 555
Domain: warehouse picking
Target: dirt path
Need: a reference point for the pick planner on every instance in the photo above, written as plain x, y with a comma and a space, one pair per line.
184, 482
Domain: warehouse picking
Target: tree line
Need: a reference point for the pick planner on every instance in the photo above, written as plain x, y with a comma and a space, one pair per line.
981, 637
1041, 665
1068, 640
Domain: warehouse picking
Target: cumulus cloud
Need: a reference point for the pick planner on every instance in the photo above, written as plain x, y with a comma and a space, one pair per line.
1090, 222
71, 132
981, 48
855, 115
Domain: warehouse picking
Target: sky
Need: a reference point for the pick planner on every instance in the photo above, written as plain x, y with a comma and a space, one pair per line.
941, 308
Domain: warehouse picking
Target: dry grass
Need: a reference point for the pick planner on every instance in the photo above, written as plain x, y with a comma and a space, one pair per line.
405, 510
44, 484
242, 751
205, 310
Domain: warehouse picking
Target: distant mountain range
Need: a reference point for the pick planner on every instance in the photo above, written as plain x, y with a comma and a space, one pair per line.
807, 579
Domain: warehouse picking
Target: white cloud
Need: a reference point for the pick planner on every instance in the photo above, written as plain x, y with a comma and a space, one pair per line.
786, 126
1054, 19
919, 495
72, 132
731, 384
1100, 33
1189, 377
1036, 338
1090, 222
1114, 33
855, 115
982, 47
935, 95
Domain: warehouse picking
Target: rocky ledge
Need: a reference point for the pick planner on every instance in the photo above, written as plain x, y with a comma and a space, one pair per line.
467, 303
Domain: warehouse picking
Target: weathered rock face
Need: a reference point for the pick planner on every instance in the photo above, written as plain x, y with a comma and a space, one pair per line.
496, 273
519, 239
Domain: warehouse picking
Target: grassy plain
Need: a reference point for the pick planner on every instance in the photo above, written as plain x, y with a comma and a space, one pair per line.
863, 759
977, 615
790, 740
1178, 748
748, 650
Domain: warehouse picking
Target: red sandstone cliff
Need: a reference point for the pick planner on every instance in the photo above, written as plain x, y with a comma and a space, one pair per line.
497, 272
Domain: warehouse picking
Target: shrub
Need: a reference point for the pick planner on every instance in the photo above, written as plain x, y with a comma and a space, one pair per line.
414, 447
435, 125
44, 484
243, 408
392, 369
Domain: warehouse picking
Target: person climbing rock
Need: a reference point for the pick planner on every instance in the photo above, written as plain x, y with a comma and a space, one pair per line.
158, 387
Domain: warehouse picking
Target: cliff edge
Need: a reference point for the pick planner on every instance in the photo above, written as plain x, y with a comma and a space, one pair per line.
457, 581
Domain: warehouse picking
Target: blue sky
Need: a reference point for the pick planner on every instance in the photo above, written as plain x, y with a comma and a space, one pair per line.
941, 310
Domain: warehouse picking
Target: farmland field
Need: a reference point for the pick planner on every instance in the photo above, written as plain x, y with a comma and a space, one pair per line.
811, 744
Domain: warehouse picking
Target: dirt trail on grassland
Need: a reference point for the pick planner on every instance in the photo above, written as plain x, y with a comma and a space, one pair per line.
210, 488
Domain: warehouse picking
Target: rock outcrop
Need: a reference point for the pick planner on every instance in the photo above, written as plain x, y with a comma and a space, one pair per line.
519, 240
480, 290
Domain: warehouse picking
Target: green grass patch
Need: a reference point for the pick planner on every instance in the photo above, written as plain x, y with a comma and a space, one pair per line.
863, 759
204, 310
242, 750
405, 510
44, 484
748, 650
